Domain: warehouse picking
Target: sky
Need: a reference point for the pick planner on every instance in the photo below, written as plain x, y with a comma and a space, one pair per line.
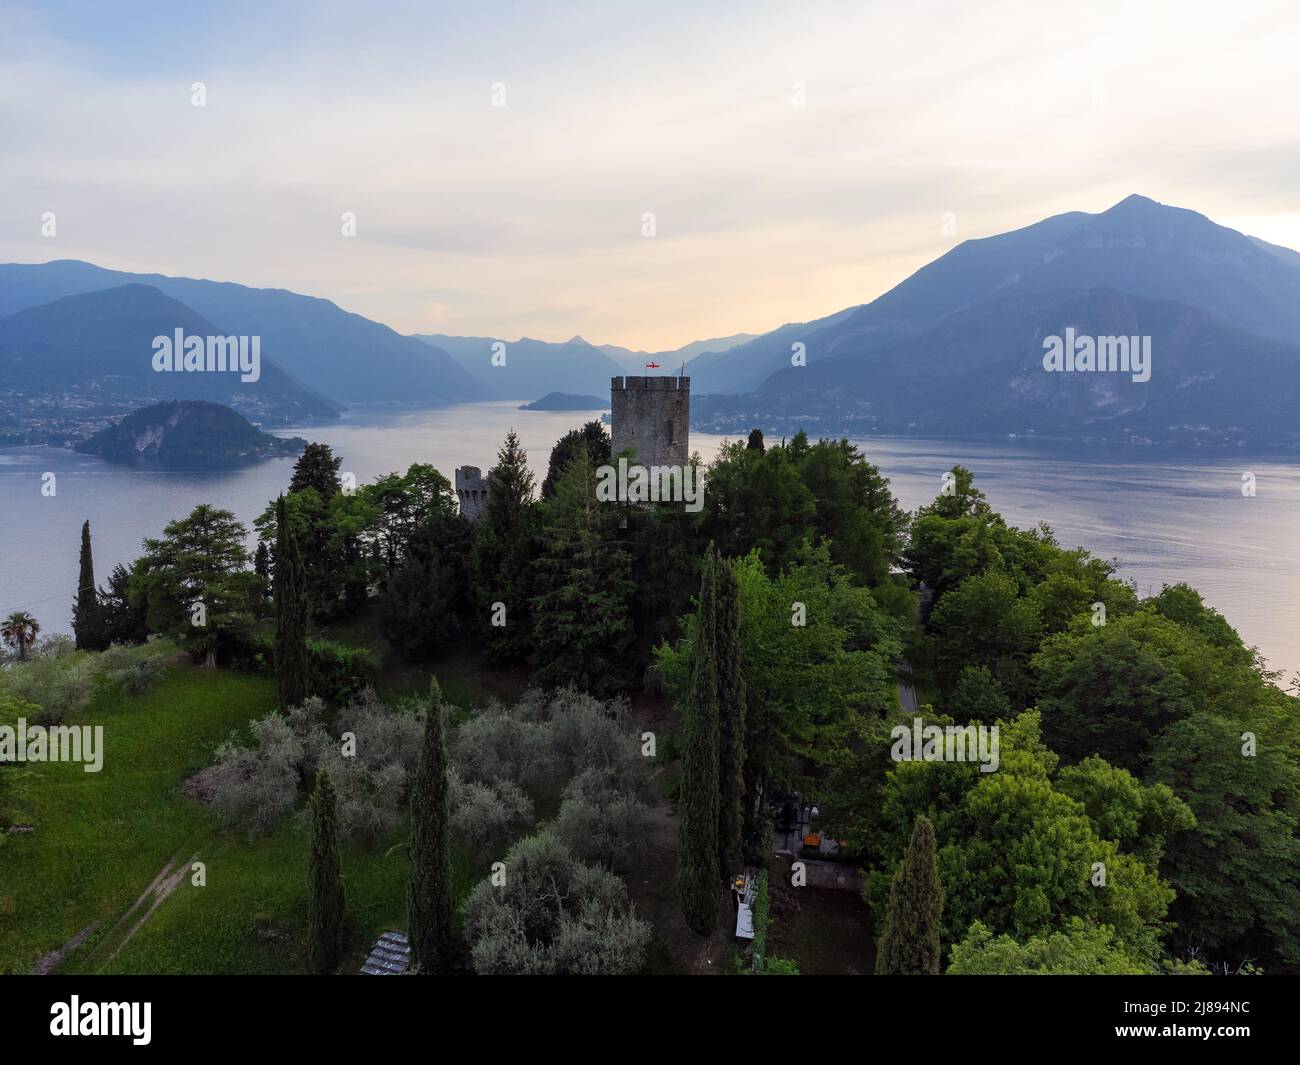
504, 162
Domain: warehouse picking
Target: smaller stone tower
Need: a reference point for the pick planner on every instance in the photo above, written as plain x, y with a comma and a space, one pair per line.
651, 415
472, 491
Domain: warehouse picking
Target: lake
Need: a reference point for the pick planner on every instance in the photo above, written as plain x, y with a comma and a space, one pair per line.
1167, 516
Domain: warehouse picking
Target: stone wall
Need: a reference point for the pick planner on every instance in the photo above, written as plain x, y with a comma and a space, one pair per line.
651, 415
471, 490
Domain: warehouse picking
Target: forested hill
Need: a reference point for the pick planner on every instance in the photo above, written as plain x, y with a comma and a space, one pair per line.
187, 434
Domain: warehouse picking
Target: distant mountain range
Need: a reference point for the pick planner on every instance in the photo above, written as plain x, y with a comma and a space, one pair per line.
526, 367
343, 356
957, 348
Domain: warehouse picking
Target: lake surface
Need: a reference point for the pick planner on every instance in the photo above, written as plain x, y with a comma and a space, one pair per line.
1167, 517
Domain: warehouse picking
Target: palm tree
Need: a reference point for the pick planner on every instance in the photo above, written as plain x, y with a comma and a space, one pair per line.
19, 630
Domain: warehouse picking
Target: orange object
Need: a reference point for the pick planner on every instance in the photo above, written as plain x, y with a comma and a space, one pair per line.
813, 839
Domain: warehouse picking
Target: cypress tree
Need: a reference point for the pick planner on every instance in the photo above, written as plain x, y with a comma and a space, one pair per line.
698, 874
910, 945
428, 896
290, 613
731, 720
87, 618
325, 900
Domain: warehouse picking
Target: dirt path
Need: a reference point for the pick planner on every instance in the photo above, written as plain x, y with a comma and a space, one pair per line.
159, 888
162, 885
47, 963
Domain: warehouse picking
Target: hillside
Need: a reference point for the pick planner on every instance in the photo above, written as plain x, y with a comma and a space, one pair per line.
1138, 247
187, 435
340, 354
91, 356
980, 373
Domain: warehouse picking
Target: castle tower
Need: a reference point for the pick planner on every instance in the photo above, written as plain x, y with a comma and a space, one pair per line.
472, 491
651, 415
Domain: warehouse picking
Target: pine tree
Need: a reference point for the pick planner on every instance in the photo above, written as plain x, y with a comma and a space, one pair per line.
428, 896
582, 614
325, 896
87, 617
290, 614
317, 467
503, 553
698, 875
910, 945
731, 720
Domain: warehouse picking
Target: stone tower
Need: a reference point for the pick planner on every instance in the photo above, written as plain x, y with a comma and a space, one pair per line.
472, 491
651, 415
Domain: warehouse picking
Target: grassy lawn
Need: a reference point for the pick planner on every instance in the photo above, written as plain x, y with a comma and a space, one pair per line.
100, 839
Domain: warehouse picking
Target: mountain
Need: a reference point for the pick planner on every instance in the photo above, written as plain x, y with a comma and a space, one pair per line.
342, 355
187, 435
980, 373
1138, 246
532, 367
634, 361
563, 401
94, 353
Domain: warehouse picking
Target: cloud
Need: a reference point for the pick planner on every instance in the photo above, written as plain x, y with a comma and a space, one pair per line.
797, 158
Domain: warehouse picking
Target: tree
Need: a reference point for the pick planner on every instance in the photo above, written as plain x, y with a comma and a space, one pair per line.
582, 612
755, 442
910, 945
424, 601
122, 611
756, 501
731, 720
290, 615
194, 581
817, 653
502, 557
20, 630
87, 622
698, 875
978, 696
597, 439
325, 895
554, 915
984, 619
317, 468
1082, 950
428, 897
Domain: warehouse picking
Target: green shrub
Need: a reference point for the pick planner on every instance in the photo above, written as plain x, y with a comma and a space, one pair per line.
338, 672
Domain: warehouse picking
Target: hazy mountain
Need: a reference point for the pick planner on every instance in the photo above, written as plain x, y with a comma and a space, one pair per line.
563, 401
1138, 246
532, 367
187, 435
634, 361
95, 352
342, 355
980, 372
